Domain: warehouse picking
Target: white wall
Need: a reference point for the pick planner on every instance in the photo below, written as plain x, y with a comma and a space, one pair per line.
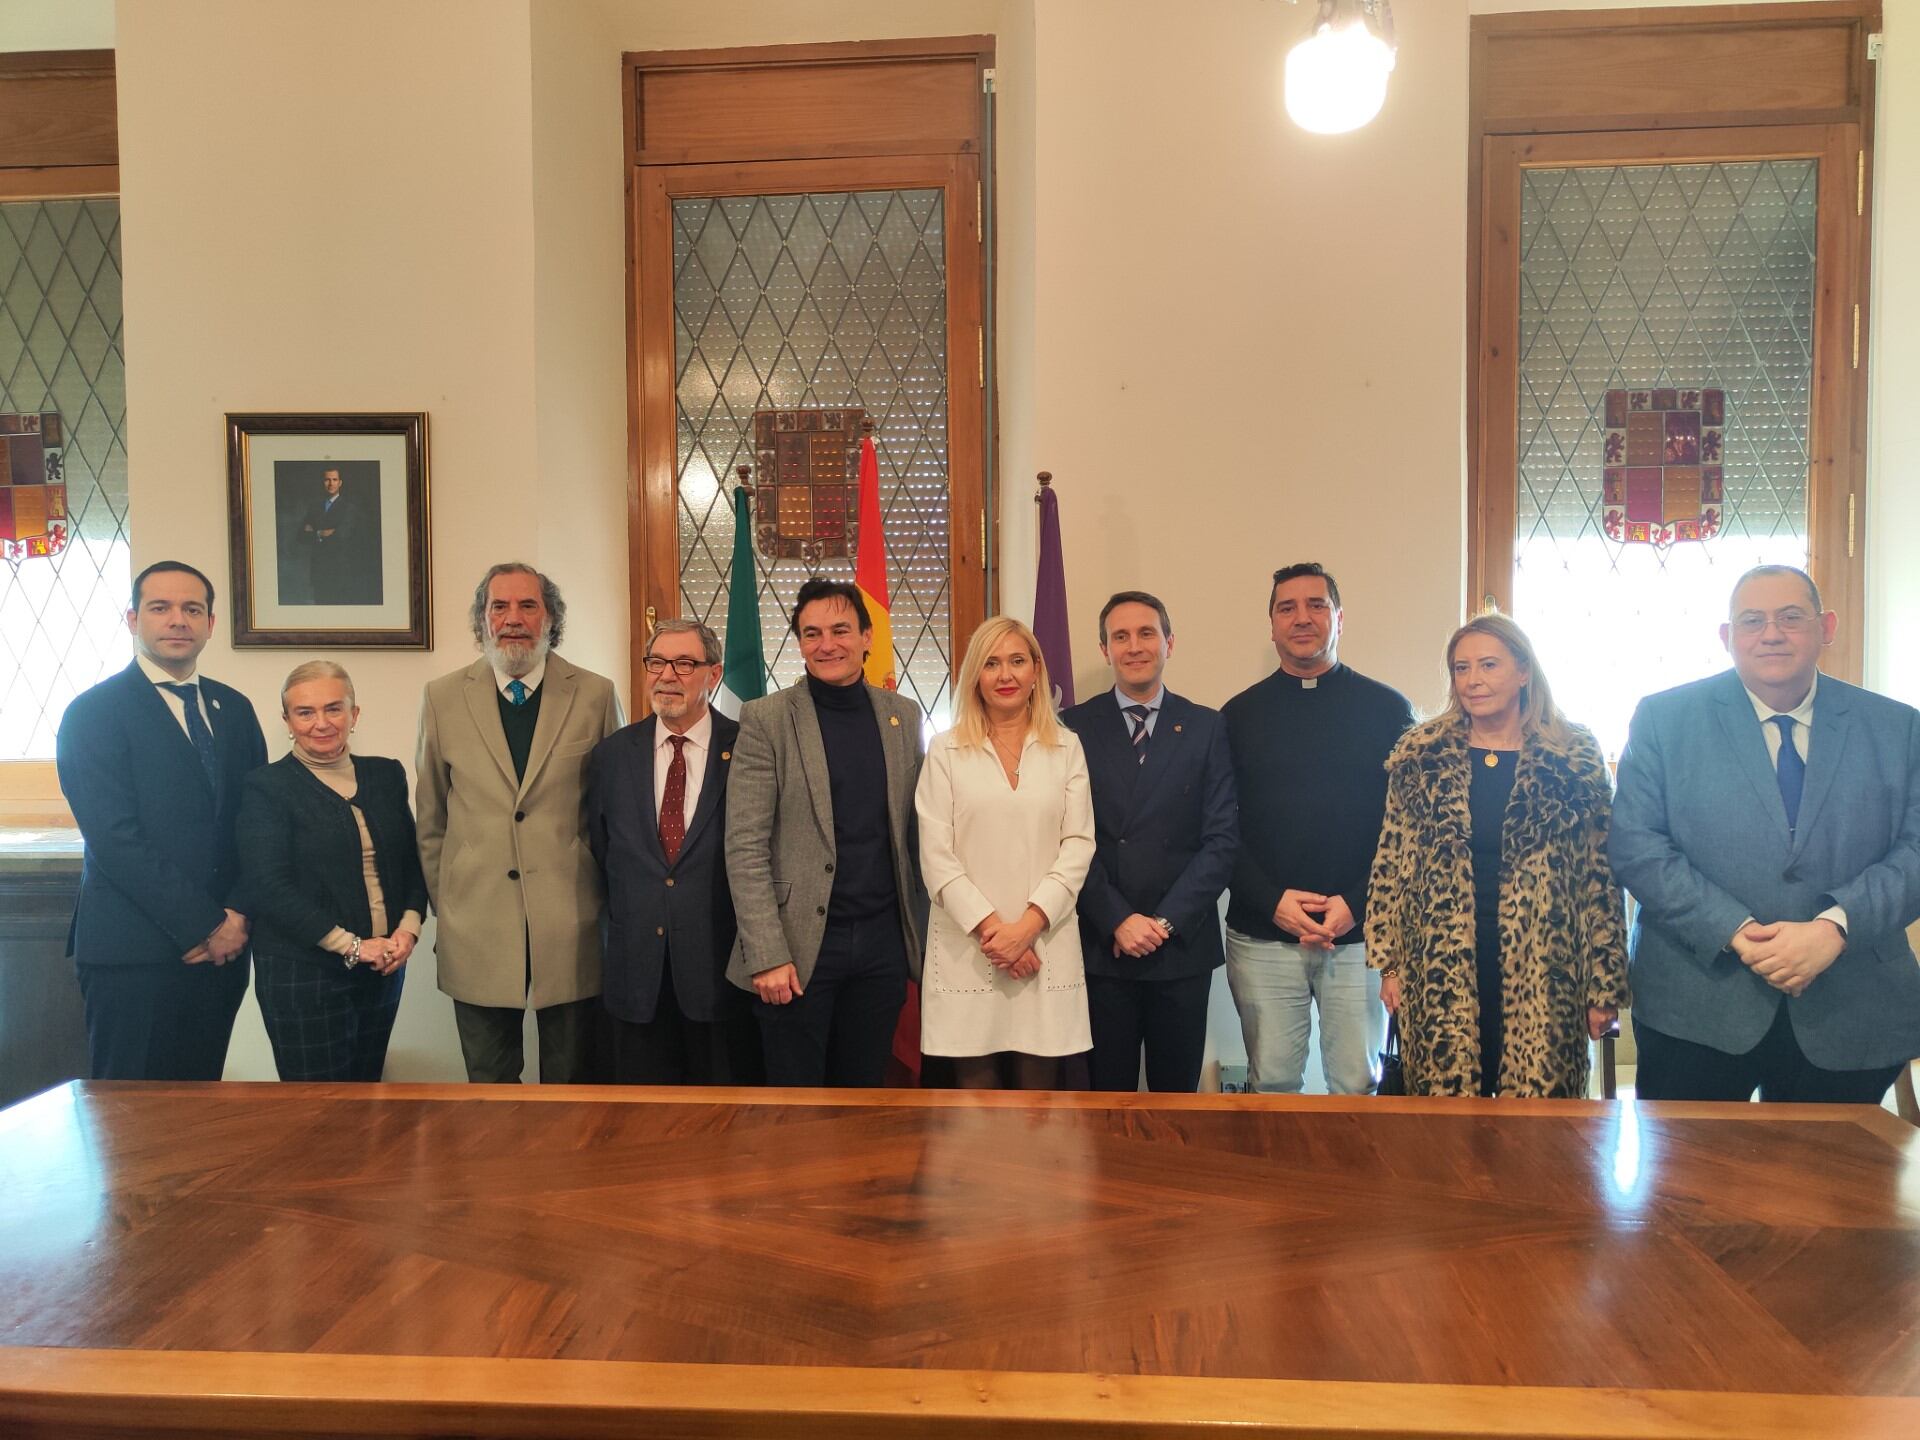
416, 204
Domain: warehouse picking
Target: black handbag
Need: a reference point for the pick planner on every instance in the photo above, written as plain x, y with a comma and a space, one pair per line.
1393, 1073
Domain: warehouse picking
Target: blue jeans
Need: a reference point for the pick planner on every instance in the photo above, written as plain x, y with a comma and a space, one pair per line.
1275, 986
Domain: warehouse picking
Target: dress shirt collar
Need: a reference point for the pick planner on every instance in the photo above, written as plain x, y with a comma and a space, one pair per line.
1802, 713
531, 679
160, 677
699, 735
1124, 700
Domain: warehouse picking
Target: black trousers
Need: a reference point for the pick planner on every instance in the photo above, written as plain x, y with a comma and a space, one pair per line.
673, 1050
490, 1042
1674, 1069
1168, 1018
840, 1031
161, 1022
327, 1022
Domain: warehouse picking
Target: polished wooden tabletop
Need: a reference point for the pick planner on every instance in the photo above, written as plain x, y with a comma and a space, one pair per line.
283, 1259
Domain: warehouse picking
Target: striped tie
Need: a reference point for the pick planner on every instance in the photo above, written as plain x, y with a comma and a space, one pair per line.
1139, 715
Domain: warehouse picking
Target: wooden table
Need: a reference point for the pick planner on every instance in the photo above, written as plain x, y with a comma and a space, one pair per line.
305, 1260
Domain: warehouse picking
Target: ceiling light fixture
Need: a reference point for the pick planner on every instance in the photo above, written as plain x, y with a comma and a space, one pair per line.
1336, 78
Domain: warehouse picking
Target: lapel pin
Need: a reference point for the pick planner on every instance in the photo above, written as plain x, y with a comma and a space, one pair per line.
894, 720
726, 754
213, 702
1176, 729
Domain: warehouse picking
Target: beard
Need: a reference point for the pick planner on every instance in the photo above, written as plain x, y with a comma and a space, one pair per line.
518, 658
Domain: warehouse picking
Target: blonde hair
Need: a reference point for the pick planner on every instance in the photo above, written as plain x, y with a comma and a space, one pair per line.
316, 670
970, 711
1538, 714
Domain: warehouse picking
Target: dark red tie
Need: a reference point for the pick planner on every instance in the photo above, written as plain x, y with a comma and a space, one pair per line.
673, 804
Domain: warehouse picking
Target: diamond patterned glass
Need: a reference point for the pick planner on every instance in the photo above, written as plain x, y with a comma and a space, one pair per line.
62, 618
1634, 277
801, 301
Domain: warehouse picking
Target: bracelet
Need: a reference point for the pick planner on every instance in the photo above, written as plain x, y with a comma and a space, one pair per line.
353, 955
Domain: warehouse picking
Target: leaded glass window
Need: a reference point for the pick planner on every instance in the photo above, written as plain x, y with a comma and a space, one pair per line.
817, 300
62, 617
1638, 277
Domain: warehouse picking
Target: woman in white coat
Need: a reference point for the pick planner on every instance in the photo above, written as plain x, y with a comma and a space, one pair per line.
1006, 836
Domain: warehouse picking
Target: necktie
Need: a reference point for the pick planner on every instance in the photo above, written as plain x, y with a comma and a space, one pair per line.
1791, 771
516, 693
197, 731
1139, 714
673, 803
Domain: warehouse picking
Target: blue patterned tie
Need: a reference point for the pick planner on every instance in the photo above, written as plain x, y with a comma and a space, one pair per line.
516, 693
1140, 736
1792, 771
197, 731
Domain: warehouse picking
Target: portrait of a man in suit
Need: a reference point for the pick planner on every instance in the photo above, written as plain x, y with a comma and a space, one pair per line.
656, 821
1166, 824
151, 761
1768, 824
330, 538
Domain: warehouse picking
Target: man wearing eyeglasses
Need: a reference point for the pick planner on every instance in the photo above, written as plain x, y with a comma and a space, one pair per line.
1768, 824
656, 822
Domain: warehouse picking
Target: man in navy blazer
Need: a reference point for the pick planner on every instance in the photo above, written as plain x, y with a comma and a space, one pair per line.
151, 761
1768, 822
656, 821
1166, 825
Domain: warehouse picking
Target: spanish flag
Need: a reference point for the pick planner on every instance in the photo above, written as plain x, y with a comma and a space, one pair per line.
870, 569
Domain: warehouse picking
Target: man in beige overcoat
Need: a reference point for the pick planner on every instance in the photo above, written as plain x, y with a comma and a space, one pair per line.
500, 801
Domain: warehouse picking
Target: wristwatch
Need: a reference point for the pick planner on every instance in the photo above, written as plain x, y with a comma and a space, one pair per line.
1164, 923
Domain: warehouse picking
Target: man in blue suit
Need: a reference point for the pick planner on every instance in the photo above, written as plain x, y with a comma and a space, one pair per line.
151, 762
1165, 827
1768, 822
656, 822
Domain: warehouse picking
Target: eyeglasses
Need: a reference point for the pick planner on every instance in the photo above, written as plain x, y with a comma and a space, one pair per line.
683, 665
1792, 621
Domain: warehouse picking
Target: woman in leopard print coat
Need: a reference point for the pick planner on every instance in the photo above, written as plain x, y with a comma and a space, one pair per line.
1561, 955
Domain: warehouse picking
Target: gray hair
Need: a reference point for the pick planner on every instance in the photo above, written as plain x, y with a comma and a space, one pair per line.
709, 642
1782, 572
549, 596
316, 670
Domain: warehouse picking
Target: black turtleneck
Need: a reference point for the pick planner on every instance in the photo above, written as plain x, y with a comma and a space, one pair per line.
1309, 760
863, 885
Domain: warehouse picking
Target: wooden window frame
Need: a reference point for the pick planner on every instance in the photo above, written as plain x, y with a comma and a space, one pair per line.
1813, 91
780, 119
59, 140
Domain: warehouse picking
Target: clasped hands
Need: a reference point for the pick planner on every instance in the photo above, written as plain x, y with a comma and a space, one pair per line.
1789, 954
1008, 944
388, 955
1295, 915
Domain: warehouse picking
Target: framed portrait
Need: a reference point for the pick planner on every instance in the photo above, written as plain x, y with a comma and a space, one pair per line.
327, 520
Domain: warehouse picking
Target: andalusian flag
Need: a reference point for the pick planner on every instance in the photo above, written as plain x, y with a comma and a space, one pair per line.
744, 677
870, 569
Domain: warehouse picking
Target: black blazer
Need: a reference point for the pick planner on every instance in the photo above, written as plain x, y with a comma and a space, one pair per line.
1164, 834
658, 914
301, 870
159, 871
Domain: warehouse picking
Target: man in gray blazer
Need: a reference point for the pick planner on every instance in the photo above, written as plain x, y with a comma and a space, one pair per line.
500, 796
822, 854
1768, 822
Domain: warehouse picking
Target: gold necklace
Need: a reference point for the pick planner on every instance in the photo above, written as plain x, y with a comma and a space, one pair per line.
1005, 758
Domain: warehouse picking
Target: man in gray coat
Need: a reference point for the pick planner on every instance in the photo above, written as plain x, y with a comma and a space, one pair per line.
501, 786
1768, 822
822, 854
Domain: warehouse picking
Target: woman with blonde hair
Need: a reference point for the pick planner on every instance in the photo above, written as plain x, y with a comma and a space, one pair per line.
330, 867
1491, 914
1006, 836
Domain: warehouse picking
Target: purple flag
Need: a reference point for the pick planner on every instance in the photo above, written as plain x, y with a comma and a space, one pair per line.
1050, 625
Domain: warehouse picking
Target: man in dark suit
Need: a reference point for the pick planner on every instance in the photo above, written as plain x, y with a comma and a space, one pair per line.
343, 568
656, 822
1165, 829
151, 762
1768, 822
